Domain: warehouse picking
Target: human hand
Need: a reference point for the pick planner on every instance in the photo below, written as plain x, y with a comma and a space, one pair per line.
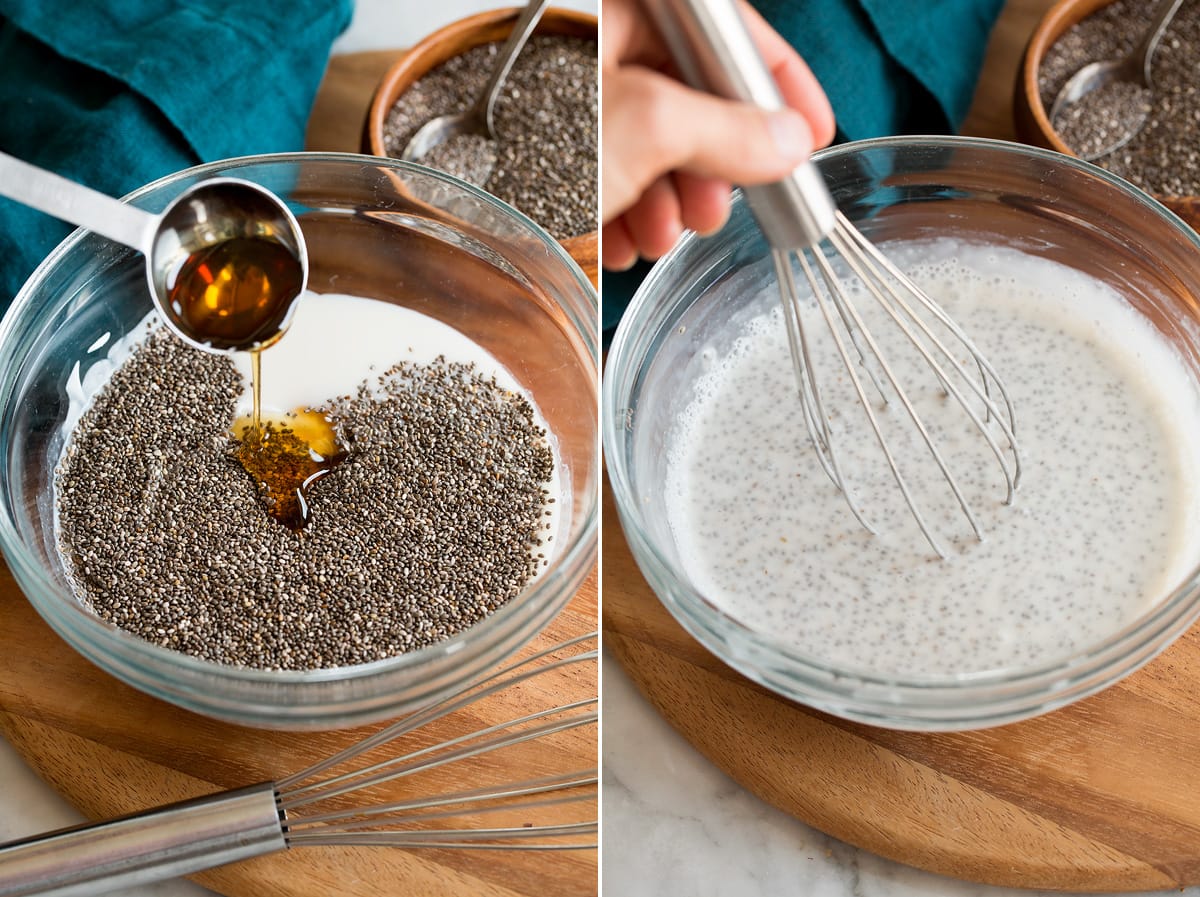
671, 152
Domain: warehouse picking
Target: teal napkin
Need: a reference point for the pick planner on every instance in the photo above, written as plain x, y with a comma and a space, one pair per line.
117, 93
888, 67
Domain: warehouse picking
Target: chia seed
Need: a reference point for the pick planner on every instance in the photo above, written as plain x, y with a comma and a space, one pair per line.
544, 161
434, 522
1162, 157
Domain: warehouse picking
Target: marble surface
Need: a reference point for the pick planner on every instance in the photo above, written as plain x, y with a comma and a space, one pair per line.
676, 826
27, 804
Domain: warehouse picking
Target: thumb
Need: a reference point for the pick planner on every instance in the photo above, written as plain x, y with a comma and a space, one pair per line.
653, 124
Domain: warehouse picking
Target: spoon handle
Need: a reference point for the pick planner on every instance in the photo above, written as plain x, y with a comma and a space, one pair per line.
72, 202
520, 33
1145, 50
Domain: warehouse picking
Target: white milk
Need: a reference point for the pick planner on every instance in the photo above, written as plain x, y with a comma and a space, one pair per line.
1103, 527
335, 343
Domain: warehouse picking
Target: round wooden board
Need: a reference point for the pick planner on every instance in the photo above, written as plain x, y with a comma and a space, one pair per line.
111, 750
1103, 795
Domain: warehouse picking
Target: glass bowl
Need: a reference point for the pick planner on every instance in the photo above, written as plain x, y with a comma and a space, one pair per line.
376, 228
909, 188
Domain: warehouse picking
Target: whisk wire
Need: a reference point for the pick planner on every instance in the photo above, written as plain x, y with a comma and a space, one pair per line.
907, 404
505, 798
391, 769
983, 399
810, 394
873, 278
834, 288
988, 372
466, 838
498, 681
815, 418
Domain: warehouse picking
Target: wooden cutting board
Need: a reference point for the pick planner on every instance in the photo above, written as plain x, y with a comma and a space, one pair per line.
1103, 795
111, 750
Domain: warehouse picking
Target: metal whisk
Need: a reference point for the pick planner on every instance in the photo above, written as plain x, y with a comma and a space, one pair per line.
715, 52
321, 805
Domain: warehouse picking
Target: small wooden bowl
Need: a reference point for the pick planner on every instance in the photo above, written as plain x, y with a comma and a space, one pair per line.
457, 38
1032, 119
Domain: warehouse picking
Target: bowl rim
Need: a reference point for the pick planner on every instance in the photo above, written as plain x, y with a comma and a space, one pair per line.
571, 563
840, 688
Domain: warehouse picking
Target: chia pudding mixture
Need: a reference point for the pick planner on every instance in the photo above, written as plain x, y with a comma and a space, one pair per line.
1164, 156
544, 161
438, 518
1103, 526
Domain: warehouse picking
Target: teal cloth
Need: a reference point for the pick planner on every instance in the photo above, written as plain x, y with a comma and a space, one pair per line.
888, 67
117, 93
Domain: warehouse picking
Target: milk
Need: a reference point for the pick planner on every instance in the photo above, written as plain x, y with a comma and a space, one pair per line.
1104, 524
335, 343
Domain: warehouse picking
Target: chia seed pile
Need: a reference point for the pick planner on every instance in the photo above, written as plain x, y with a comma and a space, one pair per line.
544, 161
1163, 157
436, 519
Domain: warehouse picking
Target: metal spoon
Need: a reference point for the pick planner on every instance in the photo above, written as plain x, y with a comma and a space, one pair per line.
213, 213
1133, 69
478, 118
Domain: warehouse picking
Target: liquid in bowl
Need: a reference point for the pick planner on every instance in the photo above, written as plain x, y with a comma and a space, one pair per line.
170, 543
1104, 524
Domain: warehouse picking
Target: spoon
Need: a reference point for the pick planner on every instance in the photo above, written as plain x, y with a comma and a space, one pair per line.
478, 119
224, 261
1133, 69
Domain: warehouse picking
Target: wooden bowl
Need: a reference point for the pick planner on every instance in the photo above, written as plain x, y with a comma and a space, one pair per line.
457, 38
1032, 119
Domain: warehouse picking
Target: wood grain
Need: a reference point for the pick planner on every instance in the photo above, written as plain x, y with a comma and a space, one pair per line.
1098, 796
111, 750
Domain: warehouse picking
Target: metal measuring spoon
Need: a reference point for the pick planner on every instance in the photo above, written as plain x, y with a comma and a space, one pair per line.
1133, 69
478, 119
213, 214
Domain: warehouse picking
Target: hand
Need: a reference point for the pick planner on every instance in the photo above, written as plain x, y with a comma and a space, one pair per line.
671, 152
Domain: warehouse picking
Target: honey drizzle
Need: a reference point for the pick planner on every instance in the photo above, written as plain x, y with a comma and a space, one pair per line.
285, 455
256, 387
238, 294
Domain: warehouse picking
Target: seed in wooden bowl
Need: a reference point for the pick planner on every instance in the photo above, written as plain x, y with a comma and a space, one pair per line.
544, 161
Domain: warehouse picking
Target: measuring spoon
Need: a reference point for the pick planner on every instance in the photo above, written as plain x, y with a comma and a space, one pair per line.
1132, 69
225, 261
478, 119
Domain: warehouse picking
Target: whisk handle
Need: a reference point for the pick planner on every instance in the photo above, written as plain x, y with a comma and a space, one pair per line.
710, 43
161, 843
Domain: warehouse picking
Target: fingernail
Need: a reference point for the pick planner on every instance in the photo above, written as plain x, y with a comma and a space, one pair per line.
790, 133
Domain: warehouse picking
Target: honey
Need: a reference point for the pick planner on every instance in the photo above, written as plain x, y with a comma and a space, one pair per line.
285, 455
236, 294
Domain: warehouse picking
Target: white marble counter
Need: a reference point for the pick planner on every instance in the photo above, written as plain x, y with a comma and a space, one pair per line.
677, 826
27, 804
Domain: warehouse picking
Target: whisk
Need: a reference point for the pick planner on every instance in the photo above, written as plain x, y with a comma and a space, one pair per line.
715, 52
308, 809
